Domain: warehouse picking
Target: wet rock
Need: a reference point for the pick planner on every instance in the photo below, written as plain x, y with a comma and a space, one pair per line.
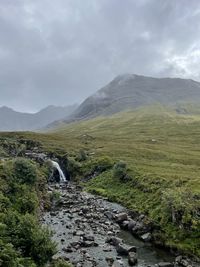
146, 237
118, 263
125, 225
132, 258
131, 224
110, 260
107, 249
109, 215
121, 217
139, 229
113, 241
165, 264
132, 249
122, 249
182, 261
80, 233
52, 213
88, 238
68, 249
87, 244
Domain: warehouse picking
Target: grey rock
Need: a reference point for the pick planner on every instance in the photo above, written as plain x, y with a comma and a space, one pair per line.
131, 225
121, 217
165, 264
146, 237
122, 249
132, 258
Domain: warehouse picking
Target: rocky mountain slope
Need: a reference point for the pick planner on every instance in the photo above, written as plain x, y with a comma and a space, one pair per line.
11, 120
131, 91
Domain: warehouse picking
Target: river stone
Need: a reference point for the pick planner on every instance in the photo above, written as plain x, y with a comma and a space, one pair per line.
131, 225
132, 249
146, 237
122, 249
68, 249
165, 264
121, 217
125, 224
80, 233
132, 258
113, 241
182, 261
87, 244
109, 215
88, 238
110, 260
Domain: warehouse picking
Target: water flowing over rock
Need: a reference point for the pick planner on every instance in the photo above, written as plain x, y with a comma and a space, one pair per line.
57, 167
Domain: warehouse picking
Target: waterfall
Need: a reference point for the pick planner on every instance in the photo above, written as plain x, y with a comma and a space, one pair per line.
57, 166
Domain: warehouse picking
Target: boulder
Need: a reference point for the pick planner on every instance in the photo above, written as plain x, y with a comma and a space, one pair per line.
109, 215
88, 238
121, 217
131, 224
113, 241
132, 258
122, 249
183, 261
132, 249
146, 237
125, 225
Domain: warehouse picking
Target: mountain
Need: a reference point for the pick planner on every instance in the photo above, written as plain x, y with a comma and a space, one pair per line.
130, 91
11, 120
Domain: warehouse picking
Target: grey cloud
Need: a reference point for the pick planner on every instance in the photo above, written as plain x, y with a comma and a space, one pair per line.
59, 52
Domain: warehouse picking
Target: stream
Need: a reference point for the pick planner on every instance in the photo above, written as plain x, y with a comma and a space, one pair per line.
87, 234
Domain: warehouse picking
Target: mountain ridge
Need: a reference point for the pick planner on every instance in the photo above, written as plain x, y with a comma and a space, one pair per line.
11, 120
130, 91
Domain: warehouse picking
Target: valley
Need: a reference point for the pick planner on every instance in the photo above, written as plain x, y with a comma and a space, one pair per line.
159, 176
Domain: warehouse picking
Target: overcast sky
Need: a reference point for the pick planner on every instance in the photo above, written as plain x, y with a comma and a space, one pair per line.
61, 51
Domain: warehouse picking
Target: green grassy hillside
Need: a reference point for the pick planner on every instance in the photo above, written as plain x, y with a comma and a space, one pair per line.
162, 153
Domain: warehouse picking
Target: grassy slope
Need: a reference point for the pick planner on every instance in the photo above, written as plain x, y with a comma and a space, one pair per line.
161, 148
128, 136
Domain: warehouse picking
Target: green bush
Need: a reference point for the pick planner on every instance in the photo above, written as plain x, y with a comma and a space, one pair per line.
23, 242
82, 155
4, 203
25, 171
8, 255
103, 163
181, 208
73, 167
27, 203
29, 237
120, 170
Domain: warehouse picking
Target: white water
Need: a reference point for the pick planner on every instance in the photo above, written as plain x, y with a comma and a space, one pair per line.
57, 166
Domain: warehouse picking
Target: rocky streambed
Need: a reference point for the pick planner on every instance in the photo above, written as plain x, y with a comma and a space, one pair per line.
91, 231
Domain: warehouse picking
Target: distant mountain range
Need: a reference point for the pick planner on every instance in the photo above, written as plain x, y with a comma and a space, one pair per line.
125, 92
11, 120
130, 91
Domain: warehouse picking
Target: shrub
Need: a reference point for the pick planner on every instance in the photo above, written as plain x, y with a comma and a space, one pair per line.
102, 164
8, 255
27, 203
33, 240
55, 198
82, 156
25, 171
73, 167
181, 208
120, 170
4, 203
